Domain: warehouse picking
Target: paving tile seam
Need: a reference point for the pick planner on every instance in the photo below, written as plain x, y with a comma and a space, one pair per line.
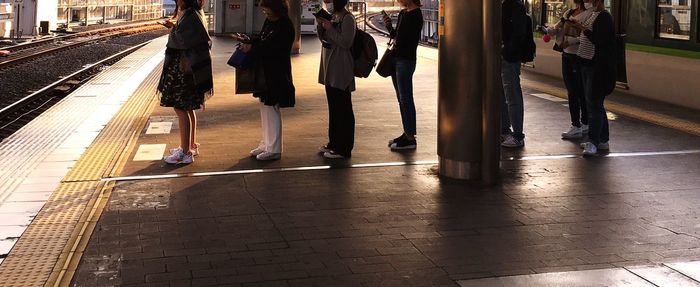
681, 272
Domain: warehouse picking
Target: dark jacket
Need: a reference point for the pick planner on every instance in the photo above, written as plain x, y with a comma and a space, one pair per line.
272, 51
407, 33
190, 39
514, 28
604, 61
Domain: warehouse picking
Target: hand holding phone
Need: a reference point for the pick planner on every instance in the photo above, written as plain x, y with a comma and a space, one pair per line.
386, 18
167, 23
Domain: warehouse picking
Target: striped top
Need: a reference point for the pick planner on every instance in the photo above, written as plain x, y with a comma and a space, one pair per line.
586, 48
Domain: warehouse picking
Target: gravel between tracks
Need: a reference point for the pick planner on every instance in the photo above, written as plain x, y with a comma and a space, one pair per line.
21, 80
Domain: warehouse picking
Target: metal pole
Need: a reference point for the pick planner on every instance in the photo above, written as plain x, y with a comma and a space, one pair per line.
460, 89
468, 89
493, 93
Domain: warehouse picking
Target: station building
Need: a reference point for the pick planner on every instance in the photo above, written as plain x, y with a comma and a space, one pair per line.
32, 17
660, 23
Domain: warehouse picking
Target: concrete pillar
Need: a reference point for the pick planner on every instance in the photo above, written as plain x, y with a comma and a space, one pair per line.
469, 92
295, 16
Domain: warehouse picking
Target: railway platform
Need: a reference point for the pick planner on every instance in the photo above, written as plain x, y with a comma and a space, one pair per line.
102, 209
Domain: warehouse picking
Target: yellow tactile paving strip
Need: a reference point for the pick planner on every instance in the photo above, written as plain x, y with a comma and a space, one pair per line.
51, 247
625, 110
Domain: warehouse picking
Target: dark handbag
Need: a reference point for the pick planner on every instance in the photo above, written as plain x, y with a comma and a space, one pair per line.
558, 48
250, 81
386, 66
240, 59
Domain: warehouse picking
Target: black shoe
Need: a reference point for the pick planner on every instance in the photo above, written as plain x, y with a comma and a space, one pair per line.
403, 143
396, 139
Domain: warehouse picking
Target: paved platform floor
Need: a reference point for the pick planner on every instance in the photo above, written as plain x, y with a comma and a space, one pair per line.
344, 223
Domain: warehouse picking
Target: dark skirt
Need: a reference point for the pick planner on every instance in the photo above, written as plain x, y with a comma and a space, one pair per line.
177, 89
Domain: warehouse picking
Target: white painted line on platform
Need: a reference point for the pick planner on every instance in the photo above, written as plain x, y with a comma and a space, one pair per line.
11, 231
20, 207
382, 164
159, 128
6, 246
663, 276
690, 269
603, 277
150, 152
548, 97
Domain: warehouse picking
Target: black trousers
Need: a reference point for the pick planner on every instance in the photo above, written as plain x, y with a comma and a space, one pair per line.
341, 121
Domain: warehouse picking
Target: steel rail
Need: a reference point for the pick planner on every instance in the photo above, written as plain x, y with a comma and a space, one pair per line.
7, 111
108, 35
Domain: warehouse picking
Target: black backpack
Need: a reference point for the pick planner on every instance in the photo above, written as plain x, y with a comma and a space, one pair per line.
364, 53
529, 48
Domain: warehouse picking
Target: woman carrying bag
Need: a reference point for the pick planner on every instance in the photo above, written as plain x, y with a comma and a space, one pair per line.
272, 51
403, 59
186, 81
598, 68
567, 42
336, 73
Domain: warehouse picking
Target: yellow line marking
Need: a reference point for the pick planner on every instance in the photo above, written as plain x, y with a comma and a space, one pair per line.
625, 110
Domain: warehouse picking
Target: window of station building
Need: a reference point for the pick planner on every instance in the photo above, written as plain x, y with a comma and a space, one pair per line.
673, 19
554, 9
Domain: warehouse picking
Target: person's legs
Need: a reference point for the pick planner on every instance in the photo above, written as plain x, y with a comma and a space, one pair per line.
345, 123
332, 97
510, 73
569, 74
404, 81
193, 131
185, 129
272, 130
595, 106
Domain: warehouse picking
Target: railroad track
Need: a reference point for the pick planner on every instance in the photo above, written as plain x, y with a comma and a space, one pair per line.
24, 110
32, 50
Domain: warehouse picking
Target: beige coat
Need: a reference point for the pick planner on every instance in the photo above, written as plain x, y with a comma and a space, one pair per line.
337, 64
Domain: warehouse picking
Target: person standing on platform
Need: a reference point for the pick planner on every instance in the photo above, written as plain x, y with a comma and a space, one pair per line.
337, 75
598, 67
186, 81
272, 51
514, 32
567, 39
404, 60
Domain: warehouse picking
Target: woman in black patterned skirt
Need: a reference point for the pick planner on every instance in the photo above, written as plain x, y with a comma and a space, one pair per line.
186, 80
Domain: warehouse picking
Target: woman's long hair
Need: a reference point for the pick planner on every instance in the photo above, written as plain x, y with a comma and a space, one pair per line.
339, 5
196, 4
417, 2
279, 7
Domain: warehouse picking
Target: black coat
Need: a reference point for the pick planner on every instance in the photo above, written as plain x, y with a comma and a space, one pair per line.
272, 51
514, 29
604, 61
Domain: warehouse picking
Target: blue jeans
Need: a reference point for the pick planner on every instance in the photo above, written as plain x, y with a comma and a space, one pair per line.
403, 84
598, 129
513, 110
571, 72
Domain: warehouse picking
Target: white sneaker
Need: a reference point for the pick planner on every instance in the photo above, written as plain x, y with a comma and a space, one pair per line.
604, 146
323, 149
332, 155
589, 148
257, 151
584, 129
574, 132
194, 151
268, 156
179, 157
512, 142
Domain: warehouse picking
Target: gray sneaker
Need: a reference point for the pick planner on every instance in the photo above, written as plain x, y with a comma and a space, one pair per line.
604, 146
512, 142
268, 156
574, 132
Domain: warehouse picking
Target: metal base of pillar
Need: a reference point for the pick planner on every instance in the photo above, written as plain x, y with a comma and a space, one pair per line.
459, 169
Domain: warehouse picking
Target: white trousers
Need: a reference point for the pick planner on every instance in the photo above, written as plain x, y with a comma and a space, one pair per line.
271, 119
